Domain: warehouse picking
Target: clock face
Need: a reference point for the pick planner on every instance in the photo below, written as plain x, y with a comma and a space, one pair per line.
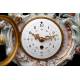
41, 38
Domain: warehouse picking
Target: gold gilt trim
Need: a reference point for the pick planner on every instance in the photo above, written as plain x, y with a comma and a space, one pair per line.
62, 35
11, 55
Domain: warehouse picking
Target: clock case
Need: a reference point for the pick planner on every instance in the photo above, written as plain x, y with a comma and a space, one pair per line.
70, 40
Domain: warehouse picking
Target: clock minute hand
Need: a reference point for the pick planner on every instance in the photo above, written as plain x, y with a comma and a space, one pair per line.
49, 37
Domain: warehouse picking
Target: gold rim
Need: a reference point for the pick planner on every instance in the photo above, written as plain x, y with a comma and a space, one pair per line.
40, 17
12, 54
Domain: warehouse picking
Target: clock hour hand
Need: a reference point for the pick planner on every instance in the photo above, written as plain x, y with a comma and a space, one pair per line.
41, 39
36, 36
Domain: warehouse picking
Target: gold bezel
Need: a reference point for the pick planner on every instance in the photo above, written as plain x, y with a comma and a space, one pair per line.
42, 17
12, 54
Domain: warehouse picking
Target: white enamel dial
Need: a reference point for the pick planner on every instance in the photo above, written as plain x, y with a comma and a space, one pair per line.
41, 38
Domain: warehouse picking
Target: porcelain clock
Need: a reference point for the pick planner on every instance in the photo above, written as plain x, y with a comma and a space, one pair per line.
41, 38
